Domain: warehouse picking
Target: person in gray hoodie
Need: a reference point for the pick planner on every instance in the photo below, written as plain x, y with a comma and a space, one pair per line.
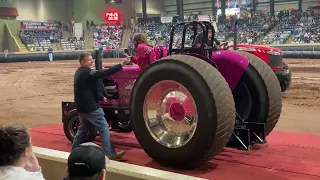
17, 160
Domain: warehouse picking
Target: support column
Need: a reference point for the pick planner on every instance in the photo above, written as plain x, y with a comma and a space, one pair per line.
180, 9
271, 7
144, 8
214, 9
253, 7
300, 5
223, 9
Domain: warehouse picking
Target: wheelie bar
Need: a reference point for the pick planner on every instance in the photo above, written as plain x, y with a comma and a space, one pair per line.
246, 134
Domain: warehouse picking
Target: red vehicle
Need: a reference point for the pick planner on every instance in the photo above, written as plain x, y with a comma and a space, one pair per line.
273, 57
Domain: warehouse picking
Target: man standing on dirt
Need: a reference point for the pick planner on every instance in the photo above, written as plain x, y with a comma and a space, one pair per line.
50, 53
87, 96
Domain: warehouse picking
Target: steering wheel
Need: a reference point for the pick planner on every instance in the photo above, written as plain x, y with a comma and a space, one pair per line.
224, 46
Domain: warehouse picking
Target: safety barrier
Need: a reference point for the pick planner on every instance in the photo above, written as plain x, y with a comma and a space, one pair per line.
59, 55
301, 52
298, 47
54, 165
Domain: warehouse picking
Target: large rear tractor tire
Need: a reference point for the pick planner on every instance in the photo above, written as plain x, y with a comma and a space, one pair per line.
170, 136
258, 94
71, 125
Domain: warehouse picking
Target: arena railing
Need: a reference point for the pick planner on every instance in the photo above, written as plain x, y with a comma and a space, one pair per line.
54, 166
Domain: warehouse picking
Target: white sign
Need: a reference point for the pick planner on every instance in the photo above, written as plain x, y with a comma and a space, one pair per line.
167, 19
78, 30
230, 11
203, 18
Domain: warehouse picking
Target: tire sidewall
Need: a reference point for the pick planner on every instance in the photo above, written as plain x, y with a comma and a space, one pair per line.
205, 132
258, 93
66, 124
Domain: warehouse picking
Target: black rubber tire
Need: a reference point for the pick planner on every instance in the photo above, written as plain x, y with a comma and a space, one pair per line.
269, 94
73, 116
286, 82
215, 107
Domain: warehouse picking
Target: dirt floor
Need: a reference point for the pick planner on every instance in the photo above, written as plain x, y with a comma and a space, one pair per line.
31, 93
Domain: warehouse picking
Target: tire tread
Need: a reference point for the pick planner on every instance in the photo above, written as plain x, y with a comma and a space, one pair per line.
273, 87
223, 97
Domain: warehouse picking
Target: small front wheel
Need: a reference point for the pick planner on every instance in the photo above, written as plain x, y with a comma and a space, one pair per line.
71, 124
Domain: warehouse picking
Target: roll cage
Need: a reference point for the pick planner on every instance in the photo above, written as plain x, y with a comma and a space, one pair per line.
203, 50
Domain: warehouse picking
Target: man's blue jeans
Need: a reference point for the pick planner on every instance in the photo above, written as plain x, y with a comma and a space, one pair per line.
89, 124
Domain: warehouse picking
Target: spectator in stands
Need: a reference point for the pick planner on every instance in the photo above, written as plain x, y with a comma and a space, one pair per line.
130, 46
50, 53
118, 51
87, 162
114, 50
17, 161
87, 97
88, 25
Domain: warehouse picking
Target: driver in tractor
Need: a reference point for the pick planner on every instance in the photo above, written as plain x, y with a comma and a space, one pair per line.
199, 38
145, 54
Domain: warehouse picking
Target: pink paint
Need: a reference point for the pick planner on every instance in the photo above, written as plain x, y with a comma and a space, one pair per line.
177, 111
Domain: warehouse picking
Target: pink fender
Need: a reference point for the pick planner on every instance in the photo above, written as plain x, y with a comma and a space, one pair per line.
231, 65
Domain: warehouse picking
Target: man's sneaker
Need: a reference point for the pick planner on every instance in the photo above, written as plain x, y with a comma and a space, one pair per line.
117, 156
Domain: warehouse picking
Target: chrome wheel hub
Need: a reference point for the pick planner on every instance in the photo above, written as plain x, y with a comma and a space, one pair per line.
170, 114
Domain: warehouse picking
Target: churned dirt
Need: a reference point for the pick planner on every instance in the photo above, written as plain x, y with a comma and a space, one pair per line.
31, 93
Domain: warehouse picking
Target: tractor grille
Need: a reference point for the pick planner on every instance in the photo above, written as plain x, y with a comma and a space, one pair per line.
275, 60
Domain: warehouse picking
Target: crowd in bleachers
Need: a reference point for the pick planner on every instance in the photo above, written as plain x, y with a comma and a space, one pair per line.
287, 26
250, 30
157, 33
39, 40
307, 28
108, 35
295, 27
72, 44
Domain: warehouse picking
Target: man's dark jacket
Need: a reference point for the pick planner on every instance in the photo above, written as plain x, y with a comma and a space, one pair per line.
86, 92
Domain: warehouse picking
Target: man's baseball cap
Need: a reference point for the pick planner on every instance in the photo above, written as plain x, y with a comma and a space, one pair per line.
86, 160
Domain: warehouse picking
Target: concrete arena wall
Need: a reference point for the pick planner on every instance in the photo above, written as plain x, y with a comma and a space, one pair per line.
42, 10
54, 164
94, 10
308, 51
2, 35
79, 10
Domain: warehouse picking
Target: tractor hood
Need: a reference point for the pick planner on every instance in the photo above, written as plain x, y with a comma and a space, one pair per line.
251, 47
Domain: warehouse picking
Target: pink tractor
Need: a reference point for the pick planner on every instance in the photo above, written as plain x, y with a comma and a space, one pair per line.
190, 104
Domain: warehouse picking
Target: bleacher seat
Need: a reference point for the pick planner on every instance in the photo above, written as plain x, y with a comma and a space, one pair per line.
40, 40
